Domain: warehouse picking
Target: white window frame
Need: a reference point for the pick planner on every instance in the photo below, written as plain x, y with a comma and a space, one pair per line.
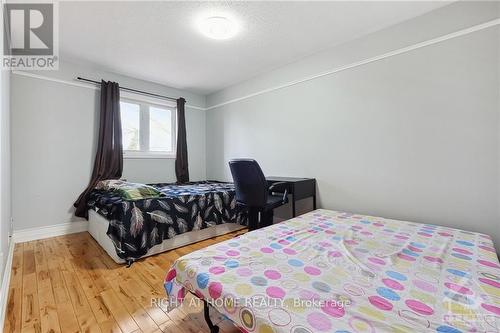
144, 103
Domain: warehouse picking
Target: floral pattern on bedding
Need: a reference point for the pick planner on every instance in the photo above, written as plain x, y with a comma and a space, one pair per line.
135, 226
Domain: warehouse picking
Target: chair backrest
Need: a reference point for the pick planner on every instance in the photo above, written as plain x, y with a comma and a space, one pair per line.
249, 181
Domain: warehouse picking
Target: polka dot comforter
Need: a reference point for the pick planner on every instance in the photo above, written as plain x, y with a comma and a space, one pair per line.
328, 271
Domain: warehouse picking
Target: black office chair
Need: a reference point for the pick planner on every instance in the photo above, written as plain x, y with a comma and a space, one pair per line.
253, 193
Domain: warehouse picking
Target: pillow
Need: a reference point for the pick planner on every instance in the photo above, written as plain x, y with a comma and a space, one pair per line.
110, 184
129, 191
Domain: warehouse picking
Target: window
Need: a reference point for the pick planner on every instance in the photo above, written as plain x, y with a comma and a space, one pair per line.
148, 130
131, 122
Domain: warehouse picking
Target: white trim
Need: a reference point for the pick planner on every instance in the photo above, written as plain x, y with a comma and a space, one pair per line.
144, 130
94, 87
130, 154
138, 98
4, 291
406, 49
53, 79
26, 235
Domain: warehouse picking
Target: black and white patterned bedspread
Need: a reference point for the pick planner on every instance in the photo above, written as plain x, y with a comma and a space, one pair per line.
136, 226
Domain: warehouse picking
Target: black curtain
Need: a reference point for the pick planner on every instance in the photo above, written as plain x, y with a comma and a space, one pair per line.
108, 163
181, 159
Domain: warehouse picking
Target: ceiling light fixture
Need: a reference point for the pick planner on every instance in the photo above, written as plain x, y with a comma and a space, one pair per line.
218, 27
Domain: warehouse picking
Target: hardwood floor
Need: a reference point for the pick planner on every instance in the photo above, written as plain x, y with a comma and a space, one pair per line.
69, 284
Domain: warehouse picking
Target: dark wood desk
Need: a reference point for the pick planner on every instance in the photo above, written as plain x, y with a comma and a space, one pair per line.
298, 188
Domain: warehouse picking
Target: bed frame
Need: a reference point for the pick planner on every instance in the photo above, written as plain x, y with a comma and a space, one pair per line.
206, 313
98, 226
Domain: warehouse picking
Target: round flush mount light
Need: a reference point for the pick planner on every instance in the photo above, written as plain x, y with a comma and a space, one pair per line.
218, 27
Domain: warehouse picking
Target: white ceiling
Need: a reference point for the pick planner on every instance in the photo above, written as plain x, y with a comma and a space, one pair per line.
159, 41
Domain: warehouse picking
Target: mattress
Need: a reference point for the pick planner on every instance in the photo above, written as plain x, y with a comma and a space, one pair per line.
98, 227
329, 271
136, 226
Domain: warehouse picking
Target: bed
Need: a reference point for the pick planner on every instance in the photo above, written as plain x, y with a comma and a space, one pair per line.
167, 216
329, 271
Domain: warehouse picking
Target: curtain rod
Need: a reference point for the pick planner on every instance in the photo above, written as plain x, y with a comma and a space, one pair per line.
129, 89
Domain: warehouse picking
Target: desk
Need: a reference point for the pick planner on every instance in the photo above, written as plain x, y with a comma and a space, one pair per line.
298, 188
